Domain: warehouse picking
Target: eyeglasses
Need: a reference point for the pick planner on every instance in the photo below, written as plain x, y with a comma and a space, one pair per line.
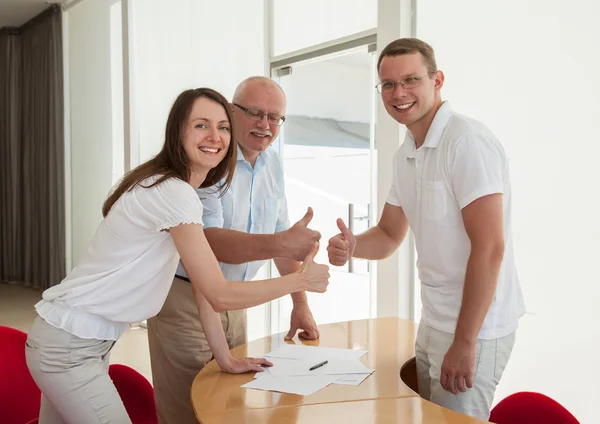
387, 87
258, 115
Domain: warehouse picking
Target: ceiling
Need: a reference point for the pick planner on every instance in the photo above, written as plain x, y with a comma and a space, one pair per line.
14, 13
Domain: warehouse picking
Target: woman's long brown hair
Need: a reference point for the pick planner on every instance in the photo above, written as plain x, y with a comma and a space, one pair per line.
172, 161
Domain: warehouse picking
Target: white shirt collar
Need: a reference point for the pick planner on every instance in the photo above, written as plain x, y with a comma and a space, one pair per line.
435, 132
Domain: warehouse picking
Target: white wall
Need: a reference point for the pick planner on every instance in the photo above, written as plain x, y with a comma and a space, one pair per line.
527, 69
185, 44
91, 124
163, 65
299, 24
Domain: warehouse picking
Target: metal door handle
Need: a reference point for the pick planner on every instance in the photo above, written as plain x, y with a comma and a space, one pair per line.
351, 219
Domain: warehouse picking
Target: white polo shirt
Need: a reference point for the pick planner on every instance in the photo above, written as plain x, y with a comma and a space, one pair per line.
459, 162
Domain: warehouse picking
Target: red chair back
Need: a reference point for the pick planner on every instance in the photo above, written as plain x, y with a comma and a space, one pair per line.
136, 392
20, 397
530, 408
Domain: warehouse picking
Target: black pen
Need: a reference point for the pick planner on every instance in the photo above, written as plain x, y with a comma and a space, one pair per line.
320, 364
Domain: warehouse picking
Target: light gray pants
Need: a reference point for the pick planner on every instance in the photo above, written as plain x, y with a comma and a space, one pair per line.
491, 359
72, 374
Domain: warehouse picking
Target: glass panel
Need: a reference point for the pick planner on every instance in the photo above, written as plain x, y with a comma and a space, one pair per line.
301, 24
327, 160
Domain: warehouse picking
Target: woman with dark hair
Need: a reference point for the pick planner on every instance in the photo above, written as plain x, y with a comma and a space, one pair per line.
152, 219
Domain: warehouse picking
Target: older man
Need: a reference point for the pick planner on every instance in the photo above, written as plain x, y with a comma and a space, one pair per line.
246, 226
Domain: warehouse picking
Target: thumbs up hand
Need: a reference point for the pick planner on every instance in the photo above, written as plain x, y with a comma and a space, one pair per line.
298, 241
316, 275
306, 218
341, 247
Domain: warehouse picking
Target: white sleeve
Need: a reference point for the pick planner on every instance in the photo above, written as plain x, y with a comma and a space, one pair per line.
170, 203
477, 168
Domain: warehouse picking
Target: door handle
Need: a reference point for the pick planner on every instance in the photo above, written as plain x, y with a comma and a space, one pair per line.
351, 219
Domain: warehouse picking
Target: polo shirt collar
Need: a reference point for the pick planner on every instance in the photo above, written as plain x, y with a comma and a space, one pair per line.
435, 132
438, 125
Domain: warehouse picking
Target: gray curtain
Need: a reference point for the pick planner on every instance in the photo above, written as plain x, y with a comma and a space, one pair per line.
11, 268
32, 211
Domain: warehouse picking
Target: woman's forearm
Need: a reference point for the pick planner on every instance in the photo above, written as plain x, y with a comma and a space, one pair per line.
202, 268
232, 295
213, 329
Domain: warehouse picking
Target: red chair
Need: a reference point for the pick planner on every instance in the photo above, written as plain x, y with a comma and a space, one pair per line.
20, 397
136, 392
530, 408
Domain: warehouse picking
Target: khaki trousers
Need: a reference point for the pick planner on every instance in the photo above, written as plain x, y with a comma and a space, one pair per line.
491, 359
179, 350
72, 374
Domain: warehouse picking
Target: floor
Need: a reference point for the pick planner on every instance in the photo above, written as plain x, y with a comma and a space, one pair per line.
16, 310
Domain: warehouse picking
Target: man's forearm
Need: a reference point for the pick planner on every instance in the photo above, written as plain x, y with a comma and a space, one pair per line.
374, 244
237, 247
480, 285
288, 266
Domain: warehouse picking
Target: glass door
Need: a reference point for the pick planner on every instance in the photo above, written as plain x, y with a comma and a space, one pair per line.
327, 148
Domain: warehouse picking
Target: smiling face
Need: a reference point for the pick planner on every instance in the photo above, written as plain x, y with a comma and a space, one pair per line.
206, 135
413, 107
256, 135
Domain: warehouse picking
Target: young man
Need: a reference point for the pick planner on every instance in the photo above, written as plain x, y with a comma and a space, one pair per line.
244, 227
451, 185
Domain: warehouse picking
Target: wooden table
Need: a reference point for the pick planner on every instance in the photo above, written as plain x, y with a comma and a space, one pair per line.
218, 398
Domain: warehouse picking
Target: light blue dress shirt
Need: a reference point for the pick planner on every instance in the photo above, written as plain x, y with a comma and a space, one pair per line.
255, 203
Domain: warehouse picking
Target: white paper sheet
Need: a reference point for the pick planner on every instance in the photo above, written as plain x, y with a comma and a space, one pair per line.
276, 362
290, 372
301, 385
291, 351
352, 379
301, 367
